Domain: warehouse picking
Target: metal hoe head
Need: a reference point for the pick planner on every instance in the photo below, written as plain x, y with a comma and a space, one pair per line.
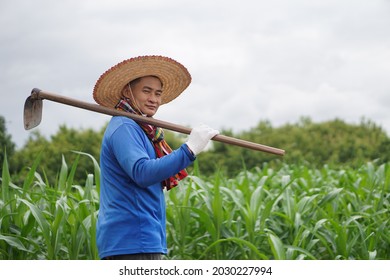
32, 112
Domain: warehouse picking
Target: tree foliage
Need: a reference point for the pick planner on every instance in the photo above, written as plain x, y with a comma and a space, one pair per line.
332, 142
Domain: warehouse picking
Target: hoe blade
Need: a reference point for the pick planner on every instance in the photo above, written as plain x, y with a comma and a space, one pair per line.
32, 112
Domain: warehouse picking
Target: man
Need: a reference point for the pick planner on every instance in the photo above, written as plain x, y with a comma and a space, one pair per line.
136, 162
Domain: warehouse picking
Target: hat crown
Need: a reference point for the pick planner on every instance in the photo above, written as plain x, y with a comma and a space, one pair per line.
173, 75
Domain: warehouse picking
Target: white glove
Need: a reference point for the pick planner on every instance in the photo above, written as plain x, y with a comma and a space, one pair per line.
200, 137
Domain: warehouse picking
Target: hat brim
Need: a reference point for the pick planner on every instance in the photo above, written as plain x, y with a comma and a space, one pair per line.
174, 76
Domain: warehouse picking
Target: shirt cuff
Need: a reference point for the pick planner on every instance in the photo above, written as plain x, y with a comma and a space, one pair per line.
188, 152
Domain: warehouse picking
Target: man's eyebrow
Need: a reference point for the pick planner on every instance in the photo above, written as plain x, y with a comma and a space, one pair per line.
150, 88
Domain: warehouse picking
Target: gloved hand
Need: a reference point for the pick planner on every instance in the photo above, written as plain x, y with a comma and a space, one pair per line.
200, 137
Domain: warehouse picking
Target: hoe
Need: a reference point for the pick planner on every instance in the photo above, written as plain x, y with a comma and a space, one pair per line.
33, 117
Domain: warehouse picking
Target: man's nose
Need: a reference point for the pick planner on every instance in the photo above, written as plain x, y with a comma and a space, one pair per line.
153, 98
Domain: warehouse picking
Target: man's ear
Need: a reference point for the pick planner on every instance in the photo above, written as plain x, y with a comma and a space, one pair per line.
126, 92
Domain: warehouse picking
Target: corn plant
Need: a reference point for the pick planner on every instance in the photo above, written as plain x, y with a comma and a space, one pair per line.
41, 221
290, 212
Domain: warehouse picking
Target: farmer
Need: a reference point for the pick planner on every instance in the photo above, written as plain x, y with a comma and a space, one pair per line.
136, 162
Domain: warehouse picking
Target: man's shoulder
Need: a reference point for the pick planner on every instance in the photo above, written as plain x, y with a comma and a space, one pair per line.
120, 120
118, 123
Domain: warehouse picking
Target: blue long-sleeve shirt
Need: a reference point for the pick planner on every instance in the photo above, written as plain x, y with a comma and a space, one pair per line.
132, 204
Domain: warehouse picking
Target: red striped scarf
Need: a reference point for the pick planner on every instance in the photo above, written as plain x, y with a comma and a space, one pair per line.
156, 136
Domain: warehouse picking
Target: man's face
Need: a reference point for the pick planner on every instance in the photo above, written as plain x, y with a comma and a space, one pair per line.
147, 94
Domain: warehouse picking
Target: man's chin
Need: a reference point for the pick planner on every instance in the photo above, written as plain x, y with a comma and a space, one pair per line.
150, 113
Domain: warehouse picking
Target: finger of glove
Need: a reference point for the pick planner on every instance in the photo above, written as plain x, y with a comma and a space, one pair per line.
213, 132
206, 130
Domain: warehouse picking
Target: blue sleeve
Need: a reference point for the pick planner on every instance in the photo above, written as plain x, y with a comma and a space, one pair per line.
136, 156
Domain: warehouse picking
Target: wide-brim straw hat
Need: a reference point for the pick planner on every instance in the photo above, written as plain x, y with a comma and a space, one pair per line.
174, 76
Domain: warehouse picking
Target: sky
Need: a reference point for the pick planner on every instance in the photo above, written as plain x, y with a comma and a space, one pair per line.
250, 60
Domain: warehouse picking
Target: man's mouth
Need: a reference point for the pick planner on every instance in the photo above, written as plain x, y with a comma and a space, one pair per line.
151, 107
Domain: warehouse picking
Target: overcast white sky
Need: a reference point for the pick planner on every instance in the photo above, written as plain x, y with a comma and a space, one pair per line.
250, 60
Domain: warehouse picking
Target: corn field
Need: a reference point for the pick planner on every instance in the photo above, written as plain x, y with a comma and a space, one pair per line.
293, 212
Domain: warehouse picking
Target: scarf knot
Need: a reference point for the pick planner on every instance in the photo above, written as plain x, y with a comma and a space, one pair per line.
156, 136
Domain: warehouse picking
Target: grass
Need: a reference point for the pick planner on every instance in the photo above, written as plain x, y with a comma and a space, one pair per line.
293, 212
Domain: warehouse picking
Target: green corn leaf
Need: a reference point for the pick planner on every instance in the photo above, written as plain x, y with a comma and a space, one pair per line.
277, 247
330, 196
14, 242
5, 180
42, 223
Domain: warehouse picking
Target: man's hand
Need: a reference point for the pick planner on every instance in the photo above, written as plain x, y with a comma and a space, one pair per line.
200, 137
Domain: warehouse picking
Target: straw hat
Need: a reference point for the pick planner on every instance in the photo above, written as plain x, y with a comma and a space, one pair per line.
174, 77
